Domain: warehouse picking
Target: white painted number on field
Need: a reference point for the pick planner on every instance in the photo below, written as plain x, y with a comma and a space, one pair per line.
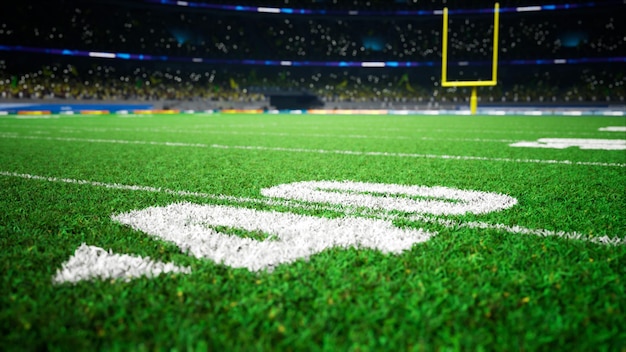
206, 231
195, 228
381, 196
582, 143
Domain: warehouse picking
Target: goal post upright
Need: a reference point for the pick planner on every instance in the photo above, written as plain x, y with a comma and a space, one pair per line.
494, 63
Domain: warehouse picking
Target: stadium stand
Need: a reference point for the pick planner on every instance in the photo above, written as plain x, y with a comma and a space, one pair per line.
143, 27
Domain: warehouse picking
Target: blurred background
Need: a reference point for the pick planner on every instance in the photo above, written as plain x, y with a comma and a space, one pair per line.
233, 54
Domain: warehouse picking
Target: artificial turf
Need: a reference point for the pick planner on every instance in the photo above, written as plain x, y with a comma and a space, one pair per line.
465, 288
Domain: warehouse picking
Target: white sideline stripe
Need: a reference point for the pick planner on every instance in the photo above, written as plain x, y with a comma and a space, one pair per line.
319, 151
348, 210
90, 262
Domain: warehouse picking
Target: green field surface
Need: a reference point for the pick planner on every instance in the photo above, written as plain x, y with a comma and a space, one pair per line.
547, 273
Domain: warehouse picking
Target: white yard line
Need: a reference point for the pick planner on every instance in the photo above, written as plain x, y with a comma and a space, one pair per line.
285, 134
353, 211
397, 129
275, 134
217, 129
520, 230
319, 151
117, 186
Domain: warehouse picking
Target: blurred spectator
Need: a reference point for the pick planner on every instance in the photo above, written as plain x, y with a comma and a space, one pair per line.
140, 27
111, 81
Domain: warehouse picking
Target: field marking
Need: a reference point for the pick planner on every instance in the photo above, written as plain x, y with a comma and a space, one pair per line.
612, 129
90, 262
319, 151
520, 230
311, 135
397, 129
117, 186
356, 211
435, 200
582, 143
133, 116
211, 129
35, 117
294, 236
276, 134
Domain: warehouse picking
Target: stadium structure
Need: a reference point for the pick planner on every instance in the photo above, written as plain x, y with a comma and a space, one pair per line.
203, 56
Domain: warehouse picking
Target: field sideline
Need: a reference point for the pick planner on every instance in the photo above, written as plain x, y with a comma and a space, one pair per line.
306, 232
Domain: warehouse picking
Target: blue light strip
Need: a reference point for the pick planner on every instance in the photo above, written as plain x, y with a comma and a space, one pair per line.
291, 11
289, 63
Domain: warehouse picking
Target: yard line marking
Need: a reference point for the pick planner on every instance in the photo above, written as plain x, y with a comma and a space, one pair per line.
396, 129
277, 134
435, 200
218, 197
285, 134
269, 202
236, 133
520, 230
348, 210
307, 126
211, 130
321, 151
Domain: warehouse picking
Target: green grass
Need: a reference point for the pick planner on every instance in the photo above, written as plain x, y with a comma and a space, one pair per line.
464, 289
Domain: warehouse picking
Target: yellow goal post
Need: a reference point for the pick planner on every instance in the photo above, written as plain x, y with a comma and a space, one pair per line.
494, 64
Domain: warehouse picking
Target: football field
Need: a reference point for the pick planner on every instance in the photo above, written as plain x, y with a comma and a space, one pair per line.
312, 232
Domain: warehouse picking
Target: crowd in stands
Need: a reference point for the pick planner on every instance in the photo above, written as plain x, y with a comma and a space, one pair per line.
108, 81
141, 27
